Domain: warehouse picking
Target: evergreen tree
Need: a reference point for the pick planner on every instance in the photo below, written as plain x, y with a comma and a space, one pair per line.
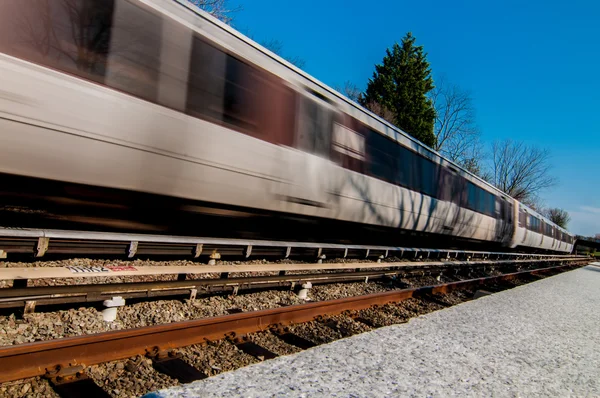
400, 84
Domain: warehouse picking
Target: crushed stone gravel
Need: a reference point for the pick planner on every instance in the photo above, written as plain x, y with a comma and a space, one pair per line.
129, 379
35, 387
273, 343
536, 340
216, 357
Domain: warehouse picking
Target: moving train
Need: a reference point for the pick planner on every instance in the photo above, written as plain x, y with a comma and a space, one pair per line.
159, 97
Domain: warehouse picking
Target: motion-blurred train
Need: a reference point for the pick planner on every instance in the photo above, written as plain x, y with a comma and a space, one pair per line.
157, 96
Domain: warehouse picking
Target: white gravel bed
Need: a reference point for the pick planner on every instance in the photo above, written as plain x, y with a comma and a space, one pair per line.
537, 340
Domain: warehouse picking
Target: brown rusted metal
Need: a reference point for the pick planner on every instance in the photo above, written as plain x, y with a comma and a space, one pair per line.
33, 359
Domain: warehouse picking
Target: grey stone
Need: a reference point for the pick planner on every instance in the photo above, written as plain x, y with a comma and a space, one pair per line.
536, 340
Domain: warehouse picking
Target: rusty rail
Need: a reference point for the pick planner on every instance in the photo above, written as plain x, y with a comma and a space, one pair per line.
35, 359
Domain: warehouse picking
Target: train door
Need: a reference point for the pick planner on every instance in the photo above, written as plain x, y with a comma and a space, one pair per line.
506, 230
523, 223
308, 168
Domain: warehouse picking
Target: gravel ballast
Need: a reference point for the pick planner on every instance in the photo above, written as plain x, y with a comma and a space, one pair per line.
538, 339
88, 320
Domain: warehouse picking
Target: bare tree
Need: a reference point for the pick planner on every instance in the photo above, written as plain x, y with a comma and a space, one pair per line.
558, 216
381, 111
534, 202
520, 170
457, 136
597, 236
217, 8
350, 90
276, 46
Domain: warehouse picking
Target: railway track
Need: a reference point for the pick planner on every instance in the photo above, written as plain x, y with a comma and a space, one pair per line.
64, 361
220, 279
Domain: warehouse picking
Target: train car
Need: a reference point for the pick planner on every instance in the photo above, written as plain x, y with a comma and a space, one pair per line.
535, 231
157, 96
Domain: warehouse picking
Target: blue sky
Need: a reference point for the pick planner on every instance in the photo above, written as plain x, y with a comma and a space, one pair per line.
533, 68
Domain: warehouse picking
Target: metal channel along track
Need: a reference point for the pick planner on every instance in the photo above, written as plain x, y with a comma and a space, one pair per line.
29, 297
43, 358
40, 242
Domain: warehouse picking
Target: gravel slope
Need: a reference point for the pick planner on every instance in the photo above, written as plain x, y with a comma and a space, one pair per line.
536, 340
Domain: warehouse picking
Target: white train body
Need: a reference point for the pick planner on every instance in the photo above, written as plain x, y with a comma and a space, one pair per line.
287, 143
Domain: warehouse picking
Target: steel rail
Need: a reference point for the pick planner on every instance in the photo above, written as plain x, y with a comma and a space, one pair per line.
43, 241
35, 359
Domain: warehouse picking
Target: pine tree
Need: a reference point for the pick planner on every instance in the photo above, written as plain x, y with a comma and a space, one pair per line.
400, 84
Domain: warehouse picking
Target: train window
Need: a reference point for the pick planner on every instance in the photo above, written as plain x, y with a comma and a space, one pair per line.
74, 39
221, 87
418, 173
506, 210
349, 146
206, 81
382, 156
315, 127
240, 97
483, 201
134, 58
480, 200
522, 218
534, 224
429, 176
448, 185
405, 168
458, 191
112, 42
348, 142
471, 196
491, 205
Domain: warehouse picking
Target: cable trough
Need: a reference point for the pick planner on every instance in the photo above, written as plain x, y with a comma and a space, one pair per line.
41, 242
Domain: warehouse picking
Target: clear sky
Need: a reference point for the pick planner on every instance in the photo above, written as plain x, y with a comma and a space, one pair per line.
533, 68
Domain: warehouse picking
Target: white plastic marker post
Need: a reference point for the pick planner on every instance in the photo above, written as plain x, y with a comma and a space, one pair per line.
303, 293
109, 314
